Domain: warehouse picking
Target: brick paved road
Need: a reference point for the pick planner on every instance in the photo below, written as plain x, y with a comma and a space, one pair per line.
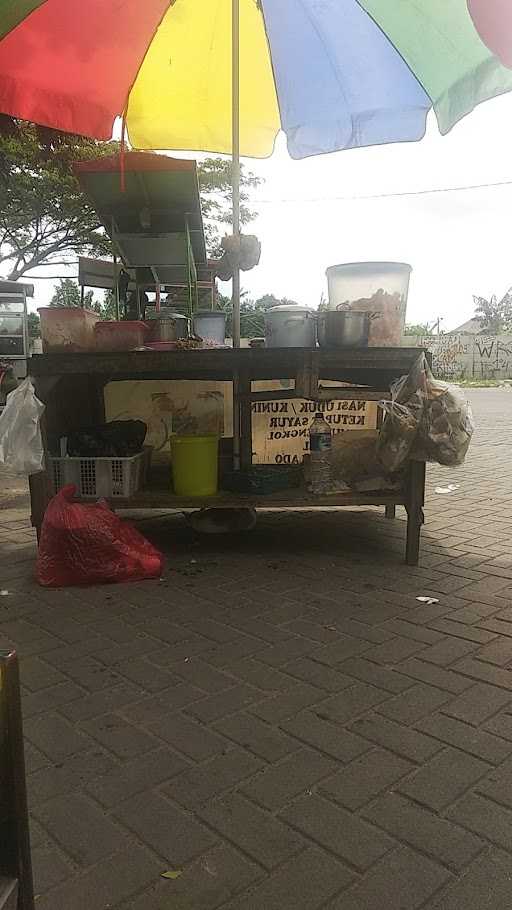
279, 719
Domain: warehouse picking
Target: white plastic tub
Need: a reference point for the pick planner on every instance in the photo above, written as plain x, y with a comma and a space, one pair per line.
210, 325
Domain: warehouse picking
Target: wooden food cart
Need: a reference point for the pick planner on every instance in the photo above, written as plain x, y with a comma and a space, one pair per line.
72, 388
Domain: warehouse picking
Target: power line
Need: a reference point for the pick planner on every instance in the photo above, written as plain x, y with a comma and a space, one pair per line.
428, 192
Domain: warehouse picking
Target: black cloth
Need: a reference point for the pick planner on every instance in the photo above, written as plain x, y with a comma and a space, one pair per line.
117, 439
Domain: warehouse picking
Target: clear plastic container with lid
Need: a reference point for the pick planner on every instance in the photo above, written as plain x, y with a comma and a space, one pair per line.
380, 288
67, 330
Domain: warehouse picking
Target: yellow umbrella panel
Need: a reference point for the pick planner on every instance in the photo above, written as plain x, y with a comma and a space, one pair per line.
182, 96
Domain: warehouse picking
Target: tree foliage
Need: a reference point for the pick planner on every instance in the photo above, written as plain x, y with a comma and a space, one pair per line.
495, 315
108, 306
420, 328
67, 293
215, 176
34, 325
45, 218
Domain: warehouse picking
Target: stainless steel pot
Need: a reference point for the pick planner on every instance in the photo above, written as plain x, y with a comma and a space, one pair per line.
169, 328
341, 329
290, 327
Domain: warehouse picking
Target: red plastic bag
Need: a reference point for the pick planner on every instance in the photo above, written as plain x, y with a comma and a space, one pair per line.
87, 544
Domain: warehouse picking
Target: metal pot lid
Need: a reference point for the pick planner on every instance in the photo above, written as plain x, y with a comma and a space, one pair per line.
343, 310
290, 308
169, 317
215, 313
380, 266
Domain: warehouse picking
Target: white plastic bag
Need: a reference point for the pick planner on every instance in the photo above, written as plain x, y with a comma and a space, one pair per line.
21, 446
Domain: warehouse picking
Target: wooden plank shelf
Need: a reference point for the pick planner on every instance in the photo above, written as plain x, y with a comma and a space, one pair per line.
336, 393
159, 497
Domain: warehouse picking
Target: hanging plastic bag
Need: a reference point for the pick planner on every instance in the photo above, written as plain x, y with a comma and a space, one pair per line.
21, 446
402, 417
427, 420
243, 251
414, 386
447, 426
397, 436
354, 462
87, 544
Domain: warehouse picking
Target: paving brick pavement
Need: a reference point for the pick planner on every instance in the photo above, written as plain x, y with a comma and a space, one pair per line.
278, 719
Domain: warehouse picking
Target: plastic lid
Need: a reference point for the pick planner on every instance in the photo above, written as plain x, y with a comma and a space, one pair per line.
361, 267
290, 308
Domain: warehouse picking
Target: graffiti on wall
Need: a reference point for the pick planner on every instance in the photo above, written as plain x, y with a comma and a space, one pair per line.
470, 356
449, 356
492, 357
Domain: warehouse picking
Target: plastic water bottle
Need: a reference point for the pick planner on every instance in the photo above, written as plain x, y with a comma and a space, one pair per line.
320, 442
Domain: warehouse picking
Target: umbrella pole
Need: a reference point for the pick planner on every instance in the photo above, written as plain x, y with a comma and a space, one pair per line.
235, 75
236, 162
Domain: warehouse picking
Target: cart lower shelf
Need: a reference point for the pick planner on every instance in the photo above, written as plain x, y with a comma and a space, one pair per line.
157, 494
157, 497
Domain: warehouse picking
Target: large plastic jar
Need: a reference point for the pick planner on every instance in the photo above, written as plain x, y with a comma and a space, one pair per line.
67, 330
379, 288
195, 465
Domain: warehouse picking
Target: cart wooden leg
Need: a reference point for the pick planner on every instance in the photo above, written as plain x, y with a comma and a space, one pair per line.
39, 499
245, 421
391, 512
415, 516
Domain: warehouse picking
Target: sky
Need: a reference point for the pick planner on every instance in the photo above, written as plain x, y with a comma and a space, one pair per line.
313, 213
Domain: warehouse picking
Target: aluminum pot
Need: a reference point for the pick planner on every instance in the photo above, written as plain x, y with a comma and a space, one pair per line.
210, 325
337, 329
290, 327
169, 328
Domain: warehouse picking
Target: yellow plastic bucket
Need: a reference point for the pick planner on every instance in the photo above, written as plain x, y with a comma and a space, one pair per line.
195, 465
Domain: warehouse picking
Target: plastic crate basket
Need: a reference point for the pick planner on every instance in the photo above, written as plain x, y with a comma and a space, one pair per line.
95, 478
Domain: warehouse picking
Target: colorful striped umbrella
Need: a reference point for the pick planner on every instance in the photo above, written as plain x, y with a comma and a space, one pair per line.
227, 75
332, 74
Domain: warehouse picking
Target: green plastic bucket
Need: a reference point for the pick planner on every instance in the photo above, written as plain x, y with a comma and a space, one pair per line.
195, 465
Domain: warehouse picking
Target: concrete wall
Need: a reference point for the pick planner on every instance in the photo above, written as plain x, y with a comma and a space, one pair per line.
468, 356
